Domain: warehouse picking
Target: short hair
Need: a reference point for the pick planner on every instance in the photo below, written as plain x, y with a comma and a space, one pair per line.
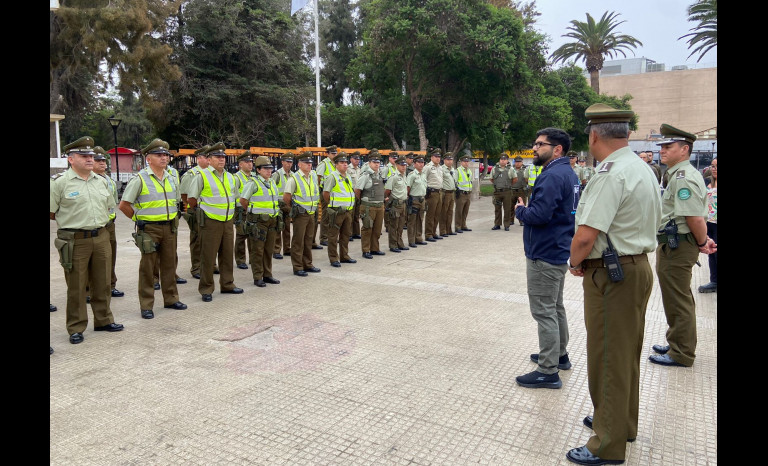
613, 130
556, 136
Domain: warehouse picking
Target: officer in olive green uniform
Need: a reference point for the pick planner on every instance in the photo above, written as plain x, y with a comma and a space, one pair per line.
464, 189
302, 193
417, 190
519, 186
261, 198
448, 191
194, 227
684, 209
339, 195
409, 158
151, 199
323, 169
80, 202
434, 174
386, 171
370, 190
174, 174
354, 171
245, 174
100, 168
502, 177
283, 238
396, 195
618, 205
586, 172
212, 197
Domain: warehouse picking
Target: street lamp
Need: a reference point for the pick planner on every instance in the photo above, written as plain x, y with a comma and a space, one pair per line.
115, 122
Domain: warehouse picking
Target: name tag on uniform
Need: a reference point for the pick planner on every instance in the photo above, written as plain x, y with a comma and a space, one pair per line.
73, 194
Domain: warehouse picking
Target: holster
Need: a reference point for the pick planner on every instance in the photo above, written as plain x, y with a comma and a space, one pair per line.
175, 224
280, 223
65, 245
144, 242
331, 212
365, 216
259, 231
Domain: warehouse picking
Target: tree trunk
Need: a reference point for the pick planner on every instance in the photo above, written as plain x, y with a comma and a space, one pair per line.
594, 80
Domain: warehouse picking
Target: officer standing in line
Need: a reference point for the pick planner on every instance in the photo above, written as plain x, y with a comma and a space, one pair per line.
464, 184
323, 169
176, 182
245, 174
386, 171
502, 177
80, 202
215, 191
151, 199
409, 158
302, 193
682, 235
448, 192
370, 190
283, 238
434, 174
339, 196
519, 186
573, 157
417, 190
586, 172
532, 171
100, 168
354, 171
647, 156
195, 248
616, 220
260, 198
396, 194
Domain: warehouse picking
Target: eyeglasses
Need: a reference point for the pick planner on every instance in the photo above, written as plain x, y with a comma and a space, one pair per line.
539, 144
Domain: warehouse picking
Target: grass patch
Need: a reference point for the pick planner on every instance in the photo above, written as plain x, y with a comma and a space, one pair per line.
486, 189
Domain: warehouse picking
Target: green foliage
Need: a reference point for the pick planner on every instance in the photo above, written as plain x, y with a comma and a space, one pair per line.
704, 34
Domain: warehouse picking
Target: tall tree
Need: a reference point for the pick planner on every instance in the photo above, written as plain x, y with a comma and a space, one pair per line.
338, 39
704, 35
594, 41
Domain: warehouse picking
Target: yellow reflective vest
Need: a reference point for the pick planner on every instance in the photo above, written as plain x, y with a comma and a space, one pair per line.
218, 199
342, 194
156, 201
265, 200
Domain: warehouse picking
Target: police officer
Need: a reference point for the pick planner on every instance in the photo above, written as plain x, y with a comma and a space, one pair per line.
619, 205
323, 169
213, 195
464, 189
682, 235
80, 202
519, 187
245, 163
502, 177
174, 174
448, 192
409, 157
370, 190
260, 198
283, 238
586, 172
339, 195
354, 171
416, 182
151, 199
100, 168
189, 215
386, 171
302, 193
434, 174
396, 195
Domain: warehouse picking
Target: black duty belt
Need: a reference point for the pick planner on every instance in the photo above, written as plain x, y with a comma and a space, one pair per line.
432, 190
598, 263
82, 234
448, 190
663, 238
162, 222
498, 190
372, 203
464, 192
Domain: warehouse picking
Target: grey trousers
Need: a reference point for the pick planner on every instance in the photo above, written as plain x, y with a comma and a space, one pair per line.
545, 295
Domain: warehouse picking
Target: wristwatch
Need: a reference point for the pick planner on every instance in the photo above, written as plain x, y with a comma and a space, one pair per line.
572, 267
704, 243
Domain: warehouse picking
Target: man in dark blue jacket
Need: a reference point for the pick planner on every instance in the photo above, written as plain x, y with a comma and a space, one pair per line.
549, 224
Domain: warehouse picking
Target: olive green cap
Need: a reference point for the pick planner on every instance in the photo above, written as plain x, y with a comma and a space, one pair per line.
572, 153
602, 113
448, 156
465, 158
157, 146
305, 156
518, 159
287, 157
216, 149
672, 134
202, 150
401, 161
84, 145
101, 154
331, 148
435, 153
261, 162
341, 157
245, 157
582, 159
419, 158
393, 154
355, 155
503, 156
373, 153
409, 155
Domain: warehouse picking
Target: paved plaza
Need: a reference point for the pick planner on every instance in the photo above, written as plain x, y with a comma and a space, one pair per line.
407, 358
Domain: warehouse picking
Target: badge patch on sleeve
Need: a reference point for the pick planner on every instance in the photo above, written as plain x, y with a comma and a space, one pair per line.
680, 174
605, 168
684, 193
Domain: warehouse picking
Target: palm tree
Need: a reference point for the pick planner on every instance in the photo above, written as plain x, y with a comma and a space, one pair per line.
593, 41
704, 35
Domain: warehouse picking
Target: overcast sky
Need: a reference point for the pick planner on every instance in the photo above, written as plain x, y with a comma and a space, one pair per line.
655, 23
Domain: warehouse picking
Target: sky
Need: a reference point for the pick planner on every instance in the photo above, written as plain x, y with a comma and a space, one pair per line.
655, 23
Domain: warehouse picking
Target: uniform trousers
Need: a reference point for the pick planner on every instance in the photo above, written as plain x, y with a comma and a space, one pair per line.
545, 295
462, 209
397, 218
301, 241
446, 214
370, 234
217, 244
261, 245
416, 222
156, 276
283, 238
324, 222
614, 317
113, 245
338, 235
674, 270
160, 263
521, 193
91, 259
240, 248
502, 200
356, 219
432, 215
194, 246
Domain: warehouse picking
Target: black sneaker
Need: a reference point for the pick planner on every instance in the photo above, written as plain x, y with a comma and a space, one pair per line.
563, 363
536, 379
